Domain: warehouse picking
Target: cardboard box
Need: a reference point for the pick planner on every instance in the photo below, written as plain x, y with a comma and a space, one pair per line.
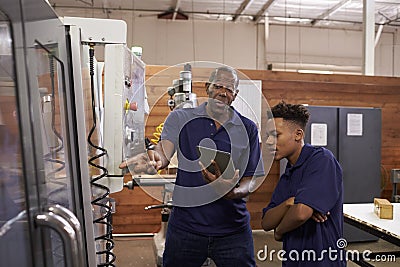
383, 208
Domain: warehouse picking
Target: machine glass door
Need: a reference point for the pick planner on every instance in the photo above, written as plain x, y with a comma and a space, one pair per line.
57, 187
38, 222
15, 249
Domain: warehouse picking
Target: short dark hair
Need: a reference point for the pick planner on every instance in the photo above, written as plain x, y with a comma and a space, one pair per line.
297, 114
216, 71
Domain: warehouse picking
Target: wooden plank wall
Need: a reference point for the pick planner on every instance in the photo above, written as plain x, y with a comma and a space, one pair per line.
313, 89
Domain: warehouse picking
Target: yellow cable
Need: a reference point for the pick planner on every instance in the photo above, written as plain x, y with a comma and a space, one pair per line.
157, 133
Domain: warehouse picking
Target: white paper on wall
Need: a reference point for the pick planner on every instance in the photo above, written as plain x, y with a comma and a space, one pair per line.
319, 134
354, 124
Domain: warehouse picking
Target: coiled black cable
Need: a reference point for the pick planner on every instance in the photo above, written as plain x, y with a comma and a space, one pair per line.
100, 201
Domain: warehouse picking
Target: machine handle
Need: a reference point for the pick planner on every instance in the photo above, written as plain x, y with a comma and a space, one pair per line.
73, 252
70, 217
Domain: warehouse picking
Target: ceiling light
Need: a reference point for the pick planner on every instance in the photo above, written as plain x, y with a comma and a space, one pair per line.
316, 71
228, 18
291, 19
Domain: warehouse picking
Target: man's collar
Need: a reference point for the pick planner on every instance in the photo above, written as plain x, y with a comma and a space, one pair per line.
201, 111
306, 151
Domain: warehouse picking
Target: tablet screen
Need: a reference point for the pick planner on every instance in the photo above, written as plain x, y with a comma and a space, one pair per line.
222, 158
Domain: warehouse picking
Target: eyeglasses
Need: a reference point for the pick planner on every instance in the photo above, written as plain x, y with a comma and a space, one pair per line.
220, 87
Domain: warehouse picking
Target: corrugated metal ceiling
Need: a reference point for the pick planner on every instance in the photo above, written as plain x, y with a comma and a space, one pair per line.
313, 13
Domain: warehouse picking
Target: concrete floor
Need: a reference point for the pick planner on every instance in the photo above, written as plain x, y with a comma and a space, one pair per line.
139, 252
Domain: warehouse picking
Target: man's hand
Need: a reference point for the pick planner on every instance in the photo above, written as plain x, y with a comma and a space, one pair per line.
289, 201
223, 186
155, 159
148, 163
319, 217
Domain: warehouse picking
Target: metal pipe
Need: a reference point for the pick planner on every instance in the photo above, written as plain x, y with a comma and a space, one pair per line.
378, 34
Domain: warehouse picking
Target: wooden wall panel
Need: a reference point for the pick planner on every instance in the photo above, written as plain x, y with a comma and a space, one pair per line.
131, 217
312, 89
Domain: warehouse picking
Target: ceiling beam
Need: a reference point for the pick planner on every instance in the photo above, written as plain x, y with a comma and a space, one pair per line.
387, 19
262, 11
174, 13
329, 12
241, 9
86, 2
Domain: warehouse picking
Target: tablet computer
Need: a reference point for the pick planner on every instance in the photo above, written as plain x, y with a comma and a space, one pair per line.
222, 158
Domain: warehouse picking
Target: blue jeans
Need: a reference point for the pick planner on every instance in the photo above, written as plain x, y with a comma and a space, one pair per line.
186, 249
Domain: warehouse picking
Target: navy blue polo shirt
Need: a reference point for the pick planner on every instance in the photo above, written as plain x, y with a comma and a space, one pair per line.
199, 209
316, 181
